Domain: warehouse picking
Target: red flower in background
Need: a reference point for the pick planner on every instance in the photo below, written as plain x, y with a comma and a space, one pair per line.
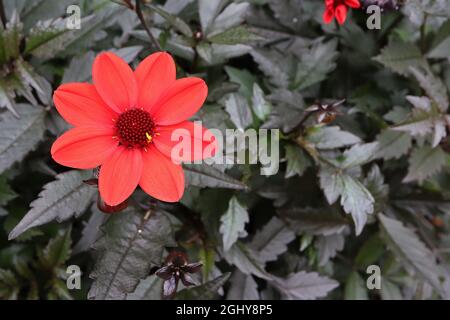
123, 123
338, 9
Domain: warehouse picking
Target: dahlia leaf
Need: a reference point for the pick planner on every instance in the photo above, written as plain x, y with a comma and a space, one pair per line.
355, 287
130, 247
232, 16
66, 197
6, 192
236, 35
305, 286
261, 107
247, 260
315, 63
206, 291
324, 137
149, 288
440, 47
355, 198
79, 69
19, 136
393, 144
208, 10
243, 287
57, 251
272, 240
175, 21
328, 246
424, 162
239, 111
297, 161
410, 250
233, 223
400, 56
433, 86
314, 221
202, 175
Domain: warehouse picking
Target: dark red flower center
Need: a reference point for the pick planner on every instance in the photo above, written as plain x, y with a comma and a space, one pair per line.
338, 3
135, 128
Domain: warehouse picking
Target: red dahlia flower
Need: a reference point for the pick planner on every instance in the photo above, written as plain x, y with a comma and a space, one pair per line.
123, 123
338, 9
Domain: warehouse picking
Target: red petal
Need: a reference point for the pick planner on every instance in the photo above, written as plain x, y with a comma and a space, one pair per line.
161, 178
115, 81
341, 13
120, 175
353, 3
154, 75
79, 104
329, 3
84, 147
195, 137
180, 101
328, 15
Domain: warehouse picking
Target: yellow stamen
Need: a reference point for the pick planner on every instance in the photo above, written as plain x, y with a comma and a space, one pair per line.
149, 137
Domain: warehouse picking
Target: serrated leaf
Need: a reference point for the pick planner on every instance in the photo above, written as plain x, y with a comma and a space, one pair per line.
440, 47
148, 289
330, 137
272, 240
305, 286
243, 78
208, 10
390, 291
6, 192
424, 162
236, 35
433, 86
45, 33
393, 144
328, 246
129, 248
215, 54
91, 230
128, 53
233, 223
410, 249
239, 110
276, 67
20, 136
355, 198
175, 21
287, 111
315, 63
297, 161
314, 221
400, 56
243, 287
207, 176
246, 260
261, 107
62, 199
79, 69
359, 155
355, 287
205, 291
424, 119
57, 251
232, 16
